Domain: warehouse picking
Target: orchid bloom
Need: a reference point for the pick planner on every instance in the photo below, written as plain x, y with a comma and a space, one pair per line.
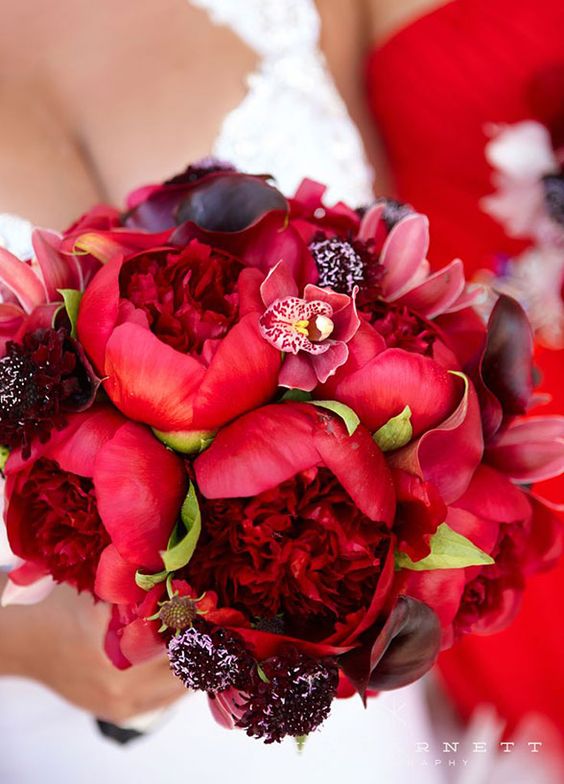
313, 330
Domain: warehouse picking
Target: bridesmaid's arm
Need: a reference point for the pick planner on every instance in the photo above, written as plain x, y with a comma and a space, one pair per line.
346, 36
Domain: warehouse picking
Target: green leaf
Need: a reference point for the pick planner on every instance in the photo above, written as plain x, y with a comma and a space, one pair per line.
449, 550
181, 548
349, 417
189, 442
296, 395
262, 674
148, 581
397, 432
71, 303
4, 455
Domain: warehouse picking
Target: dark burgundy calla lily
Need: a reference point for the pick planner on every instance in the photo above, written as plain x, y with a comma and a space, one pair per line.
397, 652
222, 201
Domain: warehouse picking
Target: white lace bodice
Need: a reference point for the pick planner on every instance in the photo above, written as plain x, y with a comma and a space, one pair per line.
292, 122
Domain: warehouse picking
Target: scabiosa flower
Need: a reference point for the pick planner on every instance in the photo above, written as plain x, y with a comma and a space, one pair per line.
208, 659
41, 378
340, 266
291, 695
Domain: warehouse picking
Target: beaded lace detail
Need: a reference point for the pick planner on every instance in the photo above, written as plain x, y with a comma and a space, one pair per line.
292, 123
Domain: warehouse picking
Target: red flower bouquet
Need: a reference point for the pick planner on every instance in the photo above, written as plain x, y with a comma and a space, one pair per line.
274, 442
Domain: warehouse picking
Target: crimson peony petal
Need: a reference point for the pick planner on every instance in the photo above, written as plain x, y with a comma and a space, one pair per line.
529, 450
242, 375
491, 495
150, 381
258, 451
396, 378
141, 642
360, 467
140, 486
98, 312
115, 579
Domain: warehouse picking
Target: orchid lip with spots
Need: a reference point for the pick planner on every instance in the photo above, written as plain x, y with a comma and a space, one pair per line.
312, 331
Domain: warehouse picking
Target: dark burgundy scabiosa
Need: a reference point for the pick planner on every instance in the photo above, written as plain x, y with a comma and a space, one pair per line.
63, 531
41, 378
302, 551
210, 660
340, 266
189, 296
291, 695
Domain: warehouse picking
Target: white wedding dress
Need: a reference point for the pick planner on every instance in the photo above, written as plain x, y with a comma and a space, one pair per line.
292, 124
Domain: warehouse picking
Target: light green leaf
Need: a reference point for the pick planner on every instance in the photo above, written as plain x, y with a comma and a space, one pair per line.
262, 674
189, 442
296, 395
71, 303
449, 550
397, 432
4, 455
148, 581
181, 548
349, 417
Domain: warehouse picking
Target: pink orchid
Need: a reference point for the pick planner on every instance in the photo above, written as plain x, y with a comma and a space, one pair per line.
313, 330
406, 276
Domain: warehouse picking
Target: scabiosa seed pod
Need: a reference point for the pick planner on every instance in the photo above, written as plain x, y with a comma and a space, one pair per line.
178, 613
211, 660
291, 695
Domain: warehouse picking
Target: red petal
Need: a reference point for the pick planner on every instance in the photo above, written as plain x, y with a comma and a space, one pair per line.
150, 381
141, 642
115, 579
448, 455
437, 292
530, 450
298, 372
60, 271
21, 280
258, 451
404, 250
242, 375
98, 312
394, 379
359, 465
140, 486
490, 495
278, 284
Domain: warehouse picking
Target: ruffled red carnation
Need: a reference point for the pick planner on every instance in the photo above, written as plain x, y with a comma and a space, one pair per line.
189, 296
63, 531
302, 551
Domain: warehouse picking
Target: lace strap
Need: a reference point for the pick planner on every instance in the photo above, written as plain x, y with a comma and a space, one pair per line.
269, 27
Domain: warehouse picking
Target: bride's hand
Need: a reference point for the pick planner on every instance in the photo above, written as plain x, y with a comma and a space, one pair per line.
59, 643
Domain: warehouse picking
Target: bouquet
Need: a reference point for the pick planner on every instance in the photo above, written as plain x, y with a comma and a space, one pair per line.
280, 447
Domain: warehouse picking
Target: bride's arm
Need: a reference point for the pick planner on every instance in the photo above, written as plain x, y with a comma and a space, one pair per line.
59, 643
346, 36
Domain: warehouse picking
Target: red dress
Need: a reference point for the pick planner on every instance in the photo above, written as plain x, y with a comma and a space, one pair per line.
433, 87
